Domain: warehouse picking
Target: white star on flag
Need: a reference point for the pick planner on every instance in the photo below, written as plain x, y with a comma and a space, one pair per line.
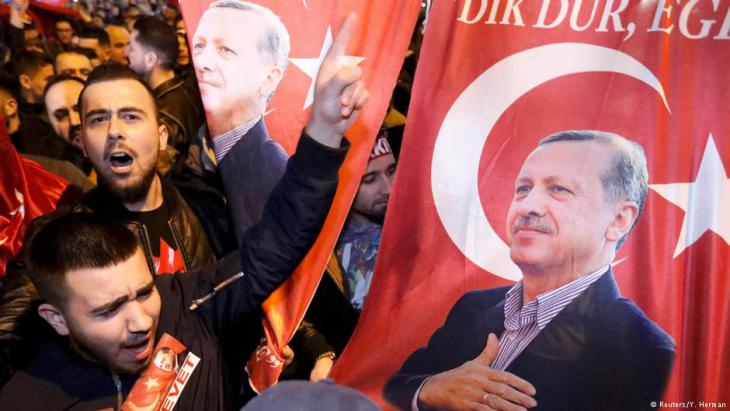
705, 201
151, 383
310, 66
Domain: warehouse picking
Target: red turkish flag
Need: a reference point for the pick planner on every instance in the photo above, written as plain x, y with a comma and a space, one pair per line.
493, 79
27, 191
379, 44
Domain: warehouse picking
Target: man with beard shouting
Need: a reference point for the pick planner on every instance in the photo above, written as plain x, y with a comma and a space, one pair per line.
129, 188
102, 300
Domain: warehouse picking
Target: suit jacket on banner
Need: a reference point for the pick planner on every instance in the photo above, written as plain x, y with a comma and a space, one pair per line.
599, 353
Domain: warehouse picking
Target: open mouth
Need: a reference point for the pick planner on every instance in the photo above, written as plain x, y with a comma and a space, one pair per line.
120, 161
141, 350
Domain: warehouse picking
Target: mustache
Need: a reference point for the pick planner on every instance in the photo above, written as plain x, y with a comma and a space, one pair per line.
383, 199
532, 223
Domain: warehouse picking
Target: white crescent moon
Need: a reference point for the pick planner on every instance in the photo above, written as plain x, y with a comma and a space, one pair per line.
460, 141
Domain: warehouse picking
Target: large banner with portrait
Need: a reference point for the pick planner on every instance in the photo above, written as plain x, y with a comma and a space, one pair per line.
493, 79
226, 47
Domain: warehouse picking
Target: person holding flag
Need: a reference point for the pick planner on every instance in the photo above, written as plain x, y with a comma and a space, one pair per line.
108, 309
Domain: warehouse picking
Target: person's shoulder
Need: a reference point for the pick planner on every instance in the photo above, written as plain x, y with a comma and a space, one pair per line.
629, 325
47, 378
479, 299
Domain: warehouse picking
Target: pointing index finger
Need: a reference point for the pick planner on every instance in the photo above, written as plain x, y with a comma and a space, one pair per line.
339, 45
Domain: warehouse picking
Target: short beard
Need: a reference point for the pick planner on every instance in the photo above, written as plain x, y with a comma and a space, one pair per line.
130, 193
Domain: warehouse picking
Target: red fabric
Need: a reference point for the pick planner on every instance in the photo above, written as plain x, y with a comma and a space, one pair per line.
421, 272
26, 191
381, 36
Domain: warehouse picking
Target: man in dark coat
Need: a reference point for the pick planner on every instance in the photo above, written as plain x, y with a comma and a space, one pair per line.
567, 340
108, 310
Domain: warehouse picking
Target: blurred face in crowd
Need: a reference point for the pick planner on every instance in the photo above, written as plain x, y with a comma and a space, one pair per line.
102, 53
32, 40
64, 32
111, 314
122, 137
235, 79
118, 38
63, 111
183, 53
73, 64
130, 17
136, 54
560, 220
36, 83
97, 20
372, 197
170, 14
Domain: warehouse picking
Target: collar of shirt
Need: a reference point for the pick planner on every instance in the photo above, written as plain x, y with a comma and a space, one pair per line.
548, 304
223, 143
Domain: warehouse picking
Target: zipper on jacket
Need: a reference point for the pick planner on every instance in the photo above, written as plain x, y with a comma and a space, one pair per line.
118, 384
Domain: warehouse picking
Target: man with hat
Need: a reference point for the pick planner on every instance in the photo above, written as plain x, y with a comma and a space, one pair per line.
336, 306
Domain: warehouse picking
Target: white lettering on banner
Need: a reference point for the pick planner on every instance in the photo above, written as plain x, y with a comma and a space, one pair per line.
264, 353
455, 167
695, 19
181, 380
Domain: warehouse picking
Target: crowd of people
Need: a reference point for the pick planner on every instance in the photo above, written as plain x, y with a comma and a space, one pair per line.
111, 103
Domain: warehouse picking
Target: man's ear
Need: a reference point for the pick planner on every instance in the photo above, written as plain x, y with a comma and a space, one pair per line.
163, 134
150, 60
10, 107
625, 213
54, 317
25, 82
272, 80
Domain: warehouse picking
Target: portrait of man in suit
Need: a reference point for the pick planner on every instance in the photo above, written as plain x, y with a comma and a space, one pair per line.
562, 338
240, 50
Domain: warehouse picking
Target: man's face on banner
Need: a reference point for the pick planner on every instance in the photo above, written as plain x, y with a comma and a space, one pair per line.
232, 72
111, 313
373, 194
121, 136
558, 217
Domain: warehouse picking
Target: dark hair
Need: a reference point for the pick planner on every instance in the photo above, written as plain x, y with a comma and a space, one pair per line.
29, 63
626, 177
74, 241
59, 79
9, 84
110, 72
97, 33
158, 36
63, 20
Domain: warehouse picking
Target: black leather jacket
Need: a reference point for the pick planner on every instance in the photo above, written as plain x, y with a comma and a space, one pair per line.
181, 111
190, 238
